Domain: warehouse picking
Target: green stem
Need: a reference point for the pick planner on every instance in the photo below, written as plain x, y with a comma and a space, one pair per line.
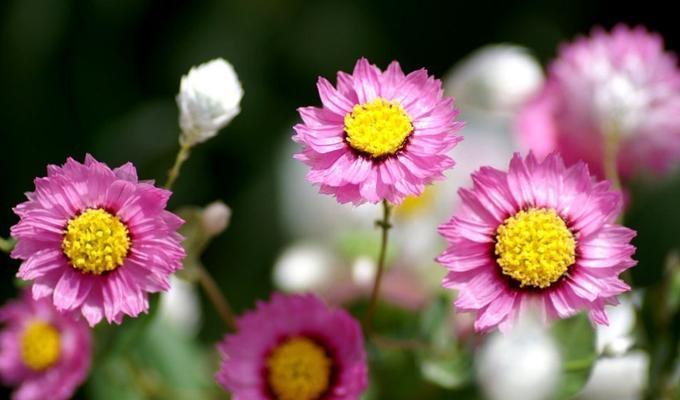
7, 245
384, 224
611, 150
215, 296
182, 156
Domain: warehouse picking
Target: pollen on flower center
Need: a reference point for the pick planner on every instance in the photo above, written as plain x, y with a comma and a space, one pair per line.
379, 128
535, 247
40, 345
298, 369
96, 242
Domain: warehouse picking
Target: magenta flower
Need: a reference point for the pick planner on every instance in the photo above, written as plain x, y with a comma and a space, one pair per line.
539, 233
294, 348
97, 240
379, 135
619, 86
45, 353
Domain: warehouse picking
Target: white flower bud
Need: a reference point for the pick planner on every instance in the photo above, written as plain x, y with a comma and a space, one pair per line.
209, 98
215, 218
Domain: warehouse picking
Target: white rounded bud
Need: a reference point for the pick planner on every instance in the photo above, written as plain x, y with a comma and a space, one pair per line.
209, 98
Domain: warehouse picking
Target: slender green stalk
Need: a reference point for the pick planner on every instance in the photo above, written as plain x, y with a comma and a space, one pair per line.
182, 156
385, 226
206, 280
216, 297
611, 150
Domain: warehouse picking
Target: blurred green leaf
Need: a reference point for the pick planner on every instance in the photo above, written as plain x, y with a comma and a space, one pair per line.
443, 362
576, 340
364, 244
160, 364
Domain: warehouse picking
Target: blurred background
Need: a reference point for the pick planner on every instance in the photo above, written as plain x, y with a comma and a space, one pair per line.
100, 76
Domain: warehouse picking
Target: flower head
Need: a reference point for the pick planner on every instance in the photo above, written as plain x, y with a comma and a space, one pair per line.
618, 87
540, 233
209, 98
43, 352
97, 240
379, 135
294, 348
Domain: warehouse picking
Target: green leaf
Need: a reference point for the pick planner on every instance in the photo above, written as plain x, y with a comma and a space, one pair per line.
442, 362
161, 363
576, 339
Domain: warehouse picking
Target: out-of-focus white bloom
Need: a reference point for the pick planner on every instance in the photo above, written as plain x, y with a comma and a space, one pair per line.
306, 213
620, 378
209, 98
180, 306
496, 78
305, 267
215, 218
523, 364
363, 271
615, 339
618, 375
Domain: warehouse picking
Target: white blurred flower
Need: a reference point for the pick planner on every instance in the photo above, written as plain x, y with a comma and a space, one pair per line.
616, 338
620, 378
496, 78
305, 267
180, 306
523, 364
306, 213
215, 218
209, 98
364, 269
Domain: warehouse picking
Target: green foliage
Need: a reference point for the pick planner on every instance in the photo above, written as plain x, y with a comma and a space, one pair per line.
576, 339
158, 364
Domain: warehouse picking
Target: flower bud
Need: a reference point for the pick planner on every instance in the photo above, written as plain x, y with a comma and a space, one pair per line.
209, 98
215, 218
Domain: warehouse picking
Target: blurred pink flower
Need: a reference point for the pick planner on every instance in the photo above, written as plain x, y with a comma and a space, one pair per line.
619, 86
379, 135
43, 352
539, 233
294, 348
97, 240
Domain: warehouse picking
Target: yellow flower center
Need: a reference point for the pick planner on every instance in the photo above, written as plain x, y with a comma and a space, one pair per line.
299, 369
379, 128
96, 242
40, 345
535, 247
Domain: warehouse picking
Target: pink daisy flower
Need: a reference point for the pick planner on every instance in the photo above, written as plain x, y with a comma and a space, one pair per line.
620, 86
97, 240
539, 233
45, 353
379, 135
294, 348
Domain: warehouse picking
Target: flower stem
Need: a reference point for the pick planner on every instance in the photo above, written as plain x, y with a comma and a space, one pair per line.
215, 296
182, 156
611, 151
7, 245
385, 226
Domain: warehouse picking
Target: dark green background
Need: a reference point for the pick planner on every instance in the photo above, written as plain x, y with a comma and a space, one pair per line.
101, 76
